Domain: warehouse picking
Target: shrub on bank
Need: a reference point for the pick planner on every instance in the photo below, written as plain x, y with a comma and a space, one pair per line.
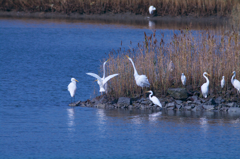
215, 53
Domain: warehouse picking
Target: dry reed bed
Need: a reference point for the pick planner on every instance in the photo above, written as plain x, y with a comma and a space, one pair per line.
164, 7
192, 55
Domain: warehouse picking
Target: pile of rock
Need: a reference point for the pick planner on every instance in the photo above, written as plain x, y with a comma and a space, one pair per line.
178, 99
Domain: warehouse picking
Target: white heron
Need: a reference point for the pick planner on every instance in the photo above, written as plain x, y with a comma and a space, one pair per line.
222, 82
151, 9
105, 85
101, 81
235, 82
183, 79
141, 80
154, 99
204, 87
72, 87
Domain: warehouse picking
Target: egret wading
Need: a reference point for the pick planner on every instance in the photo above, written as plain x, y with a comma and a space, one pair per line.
222, 82
235, 82
204, 87
183, 79
72, 87
154, 99
141, 80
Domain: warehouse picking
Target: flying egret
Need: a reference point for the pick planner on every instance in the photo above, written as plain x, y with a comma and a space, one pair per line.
154, 99
204, 87
141, 80
183, 79
235, 82
72, 88
151, 9
222, 82
105, 85
101, 82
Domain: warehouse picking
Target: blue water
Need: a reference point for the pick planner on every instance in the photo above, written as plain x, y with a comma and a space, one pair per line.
38, 59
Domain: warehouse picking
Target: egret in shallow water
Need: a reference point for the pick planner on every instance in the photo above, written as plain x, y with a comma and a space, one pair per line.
102, 82
72, 87
141, 80
183, 79
105, 85
151, 9
222, 82
204, 87
235, 82
154, 99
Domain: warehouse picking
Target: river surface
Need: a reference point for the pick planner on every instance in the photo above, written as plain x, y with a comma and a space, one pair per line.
38, 59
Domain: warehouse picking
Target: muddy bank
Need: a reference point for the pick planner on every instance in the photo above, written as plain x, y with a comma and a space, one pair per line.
173, 101
120, 17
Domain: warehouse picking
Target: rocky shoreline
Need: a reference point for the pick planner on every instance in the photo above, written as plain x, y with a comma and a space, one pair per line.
177, 99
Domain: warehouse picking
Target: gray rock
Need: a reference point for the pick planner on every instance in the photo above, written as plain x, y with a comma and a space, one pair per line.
218, 100
99, 105
178, 101
211, 102
187, 108
208, 107
193, 98
234, 109
170, 104
199, 108
124, 101
233, 104
130, 107
197, 102
178, 106
178, 93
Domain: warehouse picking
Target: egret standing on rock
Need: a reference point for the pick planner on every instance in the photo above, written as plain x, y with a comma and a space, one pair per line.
154, 99
141, 80
235, 82
183, 79
204, 87
72, 87
222, 82
151, 9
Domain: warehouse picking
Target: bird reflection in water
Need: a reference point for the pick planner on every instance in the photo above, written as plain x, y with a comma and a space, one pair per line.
151, 24
101, 120
204, 123
154, 116
71, 123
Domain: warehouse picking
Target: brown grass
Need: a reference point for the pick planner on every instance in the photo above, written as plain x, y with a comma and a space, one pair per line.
218, 54
164, 7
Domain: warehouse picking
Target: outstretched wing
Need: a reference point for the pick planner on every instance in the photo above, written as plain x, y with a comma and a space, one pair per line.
109, 77
94, 75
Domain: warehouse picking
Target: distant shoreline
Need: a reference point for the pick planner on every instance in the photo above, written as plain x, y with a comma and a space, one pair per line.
113, 17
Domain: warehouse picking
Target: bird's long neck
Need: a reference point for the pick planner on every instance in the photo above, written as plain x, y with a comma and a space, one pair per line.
150, 95
135, 71
233, 77
206, 79
104, 69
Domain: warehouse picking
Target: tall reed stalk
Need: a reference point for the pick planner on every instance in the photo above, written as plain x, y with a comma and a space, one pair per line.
218, 54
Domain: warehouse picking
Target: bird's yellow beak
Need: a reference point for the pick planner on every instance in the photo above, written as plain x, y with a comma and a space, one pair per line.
107, 60
208, 75
127, 56
148, 92
232, 74
76, 80
95, 80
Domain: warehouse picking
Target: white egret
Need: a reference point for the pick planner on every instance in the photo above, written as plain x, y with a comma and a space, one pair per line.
151, 9
235, 82
204, 87
141, 80
72, 87
222, 82
101, 81
154, 99
105, 85
183, 79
